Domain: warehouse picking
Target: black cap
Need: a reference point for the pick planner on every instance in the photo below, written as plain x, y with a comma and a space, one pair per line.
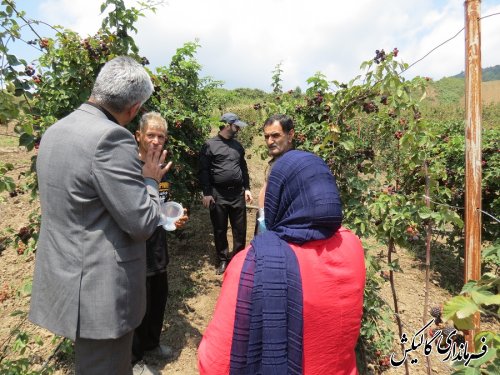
231, 118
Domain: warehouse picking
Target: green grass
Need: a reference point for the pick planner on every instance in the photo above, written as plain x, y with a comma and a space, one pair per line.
450, 90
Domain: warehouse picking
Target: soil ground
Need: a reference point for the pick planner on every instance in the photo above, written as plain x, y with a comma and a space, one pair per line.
193, 284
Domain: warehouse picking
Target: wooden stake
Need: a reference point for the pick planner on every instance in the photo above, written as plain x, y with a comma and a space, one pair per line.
473, 168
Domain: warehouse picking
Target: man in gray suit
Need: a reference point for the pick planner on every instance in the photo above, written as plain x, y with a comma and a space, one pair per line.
98, 208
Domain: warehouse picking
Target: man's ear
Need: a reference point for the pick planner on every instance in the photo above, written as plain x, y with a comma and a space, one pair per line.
291, 133
137, 135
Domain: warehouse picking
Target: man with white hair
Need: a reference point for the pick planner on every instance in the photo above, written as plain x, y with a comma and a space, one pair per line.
99, 206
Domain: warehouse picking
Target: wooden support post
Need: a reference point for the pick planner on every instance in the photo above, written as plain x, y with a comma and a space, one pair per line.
473, 170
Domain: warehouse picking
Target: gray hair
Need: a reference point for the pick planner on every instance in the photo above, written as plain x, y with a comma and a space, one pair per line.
121, 83
151, 117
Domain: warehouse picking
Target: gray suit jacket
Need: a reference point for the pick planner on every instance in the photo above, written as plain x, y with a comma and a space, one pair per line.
97, 212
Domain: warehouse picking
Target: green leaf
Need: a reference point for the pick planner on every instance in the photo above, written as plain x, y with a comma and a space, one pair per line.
470, 285
491, 251
348, 145
26, 139
485, 297
425, 213
38, 340
492, 339
394, 266
489, 355
26, 288
467, 371
17, 313
459, 307
7, 184
12, 60
493, 369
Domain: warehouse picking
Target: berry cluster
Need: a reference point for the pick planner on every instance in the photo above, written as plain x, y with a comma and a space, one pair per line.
301, 138
369, 107
413, 235
29, 70
384, 361
4, 293
25, 234
95, 53
43, 43
37, 142
257, 106
389, 190
21, 248
15, 193
379, 56
317, 100
445, 138
37, 79
398, 135
318, 97
3, 244
446, 330
436, 314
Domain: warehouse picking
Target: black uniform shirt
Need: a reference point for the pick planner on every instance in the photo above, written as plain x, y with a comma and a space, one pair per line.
223, 164
156, 245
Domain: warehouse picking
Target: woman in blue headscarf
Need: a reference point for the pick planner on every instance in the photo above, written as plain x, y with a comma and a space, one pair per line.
291, 303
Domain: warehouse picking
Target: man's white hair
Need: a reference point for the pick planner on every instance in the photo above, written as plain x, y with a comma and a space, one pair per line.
121, 83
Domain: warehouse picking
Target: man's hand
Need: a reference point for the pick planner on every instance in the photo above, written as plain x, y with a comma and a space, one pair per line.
248, 196
154, 166
180, 223
208, 200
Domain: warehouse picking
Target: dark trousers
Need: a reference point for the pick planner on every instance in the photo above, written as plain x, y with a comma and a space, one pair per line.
229, 204
110, 357
147, 335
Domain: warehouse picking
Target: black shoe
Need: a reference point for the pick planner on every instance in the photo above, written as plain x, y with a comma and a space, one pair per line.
222, 268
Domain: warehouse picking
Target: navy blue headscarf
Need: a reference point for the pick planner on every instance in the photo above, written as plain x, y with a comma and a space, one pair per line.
302, 204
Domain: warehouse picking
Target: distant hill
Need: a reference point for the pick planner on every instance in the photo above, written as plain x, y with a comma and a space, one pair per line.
451, 90
489, 74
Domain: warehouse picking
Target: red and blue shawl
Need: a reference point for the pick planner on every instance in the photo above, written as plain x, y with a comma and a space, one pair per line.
302, 204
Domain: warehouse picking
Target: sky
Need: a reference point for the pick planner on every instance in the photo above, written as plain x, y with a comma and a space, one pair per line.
242, 41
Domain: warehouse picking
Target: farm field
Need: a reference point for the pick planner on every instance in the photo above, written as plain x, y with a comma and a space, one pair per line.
402, 149
491, 92
193, 284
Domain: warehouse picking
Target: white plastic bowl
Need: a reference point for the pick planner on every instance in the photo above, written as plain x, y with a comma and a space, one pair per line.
170, 212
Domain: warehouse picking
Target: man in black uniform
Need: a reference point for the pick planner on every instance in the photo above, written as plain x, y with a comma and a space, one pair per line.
226, 186
152, 133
